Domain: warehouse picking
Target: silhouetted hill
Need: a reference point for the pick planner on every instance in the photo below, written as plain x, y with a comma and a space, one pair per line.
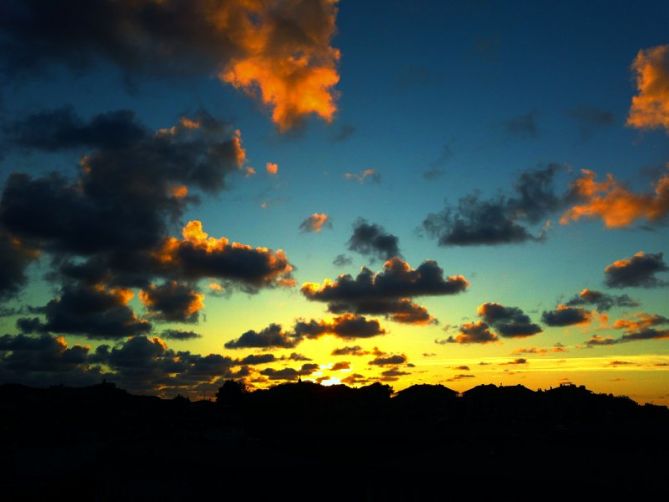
304, 440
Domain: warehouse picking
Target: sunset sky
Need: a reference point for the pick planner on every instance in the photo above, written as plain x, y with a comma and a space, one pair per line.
406, 192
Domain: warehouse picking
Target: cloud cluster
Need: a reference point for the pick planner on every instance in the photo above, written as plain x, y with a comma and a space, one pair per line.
346, 326
650, 107
504, 219
641, 327
366, 175
106, 230
637, 271
600, 300
275, 50
388, 292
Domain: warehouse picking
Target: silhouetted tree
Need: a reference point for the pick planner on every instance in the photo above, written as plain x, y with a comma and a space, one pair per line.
231, 393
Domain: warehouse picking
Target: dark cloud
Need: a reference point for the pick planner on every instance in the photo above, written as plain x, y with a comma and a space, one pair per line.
44, 360
341, 260
123, 198
177, 334
250, 46
355, 350
505, 219
522, 126
255, 359
341, 365
520, 360
15, 257
460, 376
566, 316
598, 340
354, 326
436, 169
590, 118
393, 374
389, 360
637, 271
343, 132
172, 302
387, 292
294, 356
372, 240
508, 321
62, 128
601, 301
271, 337
94, 312
472, 332
642, 327
290, 374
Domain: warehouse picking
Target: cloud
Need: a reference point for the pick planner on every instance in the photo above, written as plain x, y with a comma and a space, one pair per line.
393, 374
614, 203
636, 271
177, 334
255, 359
341, 260
601, 301
590, 118
94, 312
105, 223
276, 51
436, 169
15, 257
366, 175
346, 326
272, 168
270, 337
372, 240
508, 321
505, 219
557, 348
517, 361
341, 365
315, 223
44, 360
522, 126
355, 350
642, 327
387, 292
564, 315
597, 340
62, 129
389, 360
172, 302
460, 376
650, 107
290, 374
197, 255
343, 132
472, 332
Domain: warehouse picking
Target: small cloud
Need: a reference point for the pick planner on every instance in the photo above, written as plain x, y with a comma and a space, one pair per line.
315, 223
522, 126
364, 176
272, 168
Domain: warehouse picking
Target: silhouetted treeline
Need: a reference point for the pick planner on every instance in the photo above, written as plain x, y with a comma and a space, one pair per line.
303, 440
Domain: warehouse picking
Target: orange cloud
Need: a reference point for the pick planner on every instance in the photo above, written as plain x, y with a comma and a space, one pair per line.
615, 204
272, 168
650, 107
315, 222
283, 56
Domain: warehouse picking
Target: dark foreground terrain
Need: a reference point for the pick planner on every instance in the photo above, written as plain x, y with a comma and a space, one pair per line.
304, 441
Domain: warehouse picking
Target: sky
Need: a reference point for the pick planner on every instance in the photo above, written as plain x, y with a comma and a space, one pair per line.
441, 192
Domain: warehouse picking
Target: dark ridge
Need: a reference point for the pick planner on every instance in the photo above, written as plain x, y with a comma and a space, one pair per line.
303, 440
